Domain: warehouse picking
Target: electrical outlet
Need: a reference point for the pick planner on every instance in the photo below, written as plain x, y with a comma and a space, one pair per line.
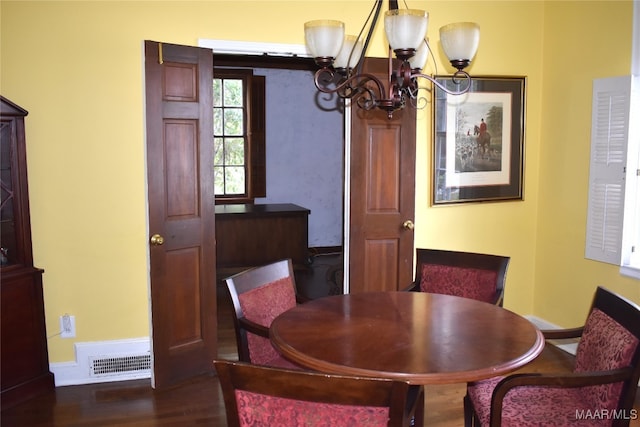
67, 326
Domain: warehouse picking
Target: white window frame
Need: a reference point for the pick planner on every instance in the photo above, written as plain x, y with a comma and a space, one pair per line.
630, 248
610, 127
613, 218
631, 265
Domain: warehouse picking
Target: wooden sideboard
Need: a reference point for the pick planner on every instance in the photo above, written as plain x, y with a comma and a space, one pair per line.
249, 235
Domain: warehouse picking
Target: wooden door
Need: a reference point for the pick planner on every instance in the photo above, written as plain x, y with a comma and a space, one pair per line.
382, 195
179, 82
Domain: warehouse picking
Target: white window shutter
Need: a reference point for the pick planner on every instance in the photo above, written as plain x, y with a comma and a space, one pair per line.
609, 138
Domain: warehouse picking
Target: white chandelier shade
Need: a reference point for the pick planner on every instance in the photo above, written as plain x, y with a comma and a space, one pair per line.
460, 40
419, 60
405, 28
324, 37
349, 54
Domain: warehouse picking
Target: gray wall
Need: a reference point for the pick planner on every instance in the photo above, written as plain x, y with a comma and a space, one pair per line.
305, 152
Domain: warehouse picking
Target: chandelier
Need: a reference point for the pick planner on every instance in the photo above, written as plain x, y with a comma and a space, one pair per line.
340, 57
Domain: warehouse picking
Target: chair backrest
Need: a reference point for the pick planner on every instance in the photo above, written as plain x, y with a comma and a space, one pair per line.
261, 395
465, 274
259, 295
611, 340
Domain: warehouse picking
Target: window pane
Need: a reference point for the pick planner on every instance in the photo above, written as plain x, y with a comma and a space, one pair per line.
234, 177
233, 121
234, 152
218, 180
218, 151
230, 140
217, 121
217, 92
232, 93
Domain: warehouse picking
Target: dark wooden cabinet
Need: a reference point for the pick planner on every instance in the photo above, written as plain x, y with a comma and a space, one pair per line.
24, 359
249, 235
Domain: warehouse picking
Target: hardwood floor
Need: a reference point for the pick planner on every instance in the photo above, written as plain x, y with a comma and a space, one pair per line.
199, 402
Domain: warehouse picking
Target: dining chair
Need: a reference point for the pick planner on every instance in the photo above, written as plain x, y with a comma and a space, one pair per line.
465, 274
258, 296
599, 391
268, 396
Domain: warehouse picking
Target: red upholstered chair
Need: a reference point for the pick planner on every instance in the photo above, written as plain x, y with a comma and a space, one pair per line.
267, 396
258, 296
463, 274
600, 390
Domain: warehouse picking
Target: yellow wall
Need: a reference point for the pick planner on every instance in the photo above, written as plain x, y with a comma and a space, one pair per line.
77, 67
582, 41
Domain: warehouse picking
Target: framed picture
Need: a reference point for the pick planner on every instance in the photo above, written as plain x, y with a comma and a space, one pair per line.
478, 152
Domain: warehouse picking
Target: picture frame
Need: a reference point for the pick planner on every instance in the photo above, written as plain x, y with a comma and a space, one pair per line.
478, 140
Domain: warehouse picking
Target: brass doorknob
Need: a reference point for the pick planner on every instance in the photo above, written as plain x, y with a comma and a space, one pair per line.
408, 225
157, 240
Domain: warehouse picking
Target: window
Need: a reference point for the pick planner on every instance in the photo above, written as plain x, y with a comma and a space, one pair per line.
238, 131
613, 220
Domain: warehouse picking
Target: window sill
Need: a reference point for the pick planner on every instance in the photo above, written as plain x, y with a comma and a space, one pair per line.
629, 271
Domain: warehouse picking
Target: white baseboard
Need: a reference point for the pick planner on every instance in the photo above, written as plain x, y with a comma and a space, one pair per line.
570, 346
83, 369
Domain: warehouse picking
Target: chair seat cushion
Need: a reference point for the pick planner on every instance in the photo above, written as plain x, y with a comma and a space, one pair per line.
260, 410
536, 406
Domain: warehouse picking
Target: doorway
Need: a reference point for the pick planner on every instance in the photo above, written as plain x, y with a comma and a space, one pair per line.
304, 166
304, 146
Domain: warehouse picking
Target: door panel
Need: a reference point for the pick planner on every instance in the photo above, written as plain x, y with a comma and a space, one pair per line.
185, 314
181, 162
382, 194
181, 209
377, 275
382, 183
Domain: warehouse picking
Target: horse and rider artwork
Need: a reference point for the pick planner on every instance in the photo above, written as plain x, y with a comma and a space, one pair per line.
478, 143
478, 140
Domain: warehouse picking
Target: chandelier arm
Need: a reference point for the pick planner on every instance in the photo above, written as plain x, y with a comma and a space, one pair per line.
365, 98
433, 57
375, 11
457, 77
417, 101
358, 79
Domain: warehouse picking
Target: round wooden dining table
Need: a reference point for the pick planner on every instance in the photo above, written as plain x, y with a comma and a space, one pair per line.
417, 337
